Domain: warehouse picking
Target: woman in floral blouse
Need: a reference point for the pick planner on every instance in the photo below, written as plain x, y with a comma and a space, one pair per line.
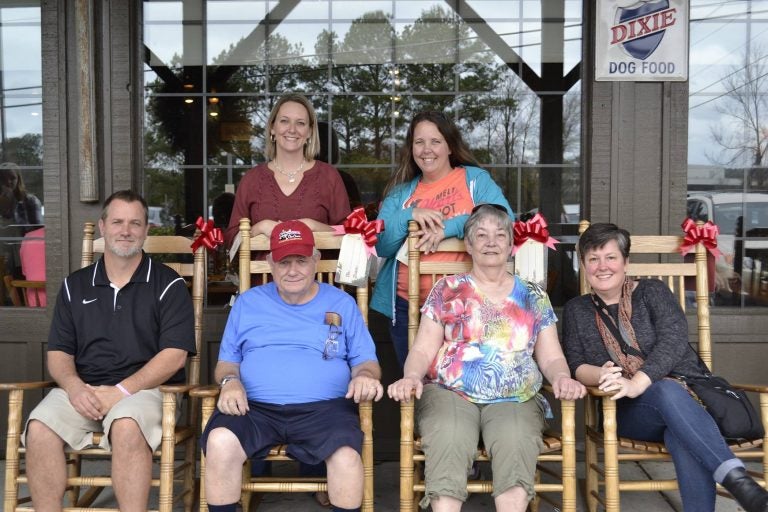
485, 339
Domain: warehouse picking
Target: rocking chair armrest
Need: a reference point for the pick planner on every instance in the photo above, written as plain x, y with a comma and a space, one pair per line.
751, 387
595, 391
176, 388
548, 389
209, 391
41, 384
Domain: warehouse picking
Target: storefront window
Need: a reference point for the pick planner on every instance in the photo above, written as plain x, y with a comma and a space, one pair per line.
727, 141
214, 68
22, 249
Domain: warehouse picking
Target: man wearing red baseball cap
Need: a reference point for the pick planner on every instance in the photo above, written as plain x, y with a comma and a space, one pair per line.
293, 354
293, 238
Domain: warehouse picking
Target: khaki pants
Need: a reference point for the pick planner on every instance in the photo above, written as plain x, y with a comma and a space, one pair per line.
450, 428
57, 413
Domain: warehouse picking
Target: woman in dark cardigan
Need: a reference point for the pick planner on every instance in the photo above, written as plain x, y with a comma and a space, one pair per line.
653, 344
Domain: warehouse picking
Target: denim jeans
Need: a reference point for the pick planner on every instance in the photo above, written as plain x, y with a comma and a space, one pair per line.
399, 330
666, 412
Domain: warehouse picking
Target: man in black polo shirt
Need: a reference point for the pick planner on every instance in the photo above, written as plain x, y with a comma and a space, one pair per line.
121, 327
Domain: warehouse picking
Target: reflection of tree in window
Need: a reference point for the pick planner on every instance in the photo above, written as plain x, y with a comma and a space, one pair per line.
741, 134
174, 133
369, 81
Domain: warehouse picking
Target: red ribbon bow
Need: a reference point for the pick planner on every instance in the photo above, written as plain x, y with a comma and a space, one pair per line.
210, 236
706, 234
357, 222
534, 229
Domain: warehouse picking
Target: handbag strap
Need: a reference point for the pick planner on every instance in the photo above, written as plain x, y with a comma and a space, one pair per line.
704, 368
617, 333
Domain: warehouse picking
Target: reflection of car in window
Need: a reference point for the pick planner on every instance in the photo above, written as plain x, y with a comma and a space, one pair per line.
570, 214
742, 219
155, 217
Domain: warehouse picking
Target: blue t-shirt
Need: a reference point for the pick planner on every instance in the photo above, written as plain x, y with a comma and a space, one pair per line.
280, 346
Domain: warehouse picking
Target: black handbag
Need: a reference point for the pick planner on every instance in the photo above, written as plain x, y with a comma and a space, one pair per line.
730, 408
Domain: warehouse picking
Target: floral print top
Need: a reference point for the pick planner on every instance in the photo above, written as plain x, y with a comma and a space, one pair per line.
487, 351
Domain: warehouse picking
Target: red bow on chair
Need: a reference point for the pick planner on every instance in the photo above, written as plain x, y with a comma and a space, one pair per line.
210, 236
357, 222
706, 234
534, 229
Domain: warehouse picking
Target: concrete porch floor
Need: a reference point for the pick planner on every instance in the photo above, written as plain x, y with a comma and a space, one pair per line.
387, 494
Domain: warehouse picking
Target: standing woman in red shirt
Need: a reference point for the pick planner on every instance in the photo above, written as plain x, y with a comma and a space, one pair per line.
292, 184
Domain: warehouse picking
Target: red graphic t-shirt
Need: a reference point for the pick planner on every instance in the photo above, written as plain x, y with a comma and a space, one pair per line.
451, 196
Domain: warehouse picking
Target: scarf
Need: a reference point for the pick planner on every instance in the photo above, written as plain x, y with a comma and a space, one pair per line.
619, 340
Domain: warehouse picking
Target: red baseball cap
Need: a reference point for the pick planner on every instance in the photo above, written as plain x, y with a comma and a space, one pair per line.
291, 238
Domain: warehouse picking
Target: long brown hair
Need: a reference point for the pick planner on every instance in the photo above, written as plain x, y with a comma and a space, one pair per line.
407, 168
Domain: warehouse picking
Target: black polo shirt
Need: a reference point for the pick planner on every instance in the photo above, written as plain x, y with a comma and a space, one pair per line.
113, 333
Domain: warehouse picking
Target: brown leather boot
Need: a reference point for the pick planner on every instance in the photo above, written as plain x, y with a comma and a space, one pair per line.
747, 492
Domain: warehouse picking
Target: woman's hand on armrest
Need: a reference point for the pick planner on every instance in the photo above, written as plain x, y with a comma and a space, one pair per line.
403, 389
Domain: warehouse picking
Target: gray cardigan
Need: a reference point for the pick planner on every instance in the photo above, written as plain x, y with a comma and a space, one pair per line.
660, 327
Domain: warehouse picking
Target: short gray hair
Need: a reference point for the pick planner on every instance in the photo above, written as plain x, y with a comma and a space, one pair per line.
487, 211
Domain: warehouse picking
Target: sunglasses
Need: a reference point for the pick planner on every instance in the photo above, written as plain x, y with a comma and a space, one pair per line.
492, 205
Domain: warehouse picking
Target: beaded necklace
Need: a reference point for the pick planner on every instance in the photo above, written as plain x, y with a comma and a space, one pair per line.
290, 175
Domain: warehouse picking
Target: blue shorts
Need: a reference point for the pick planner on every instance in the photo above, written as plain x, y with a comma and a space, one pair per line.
312, 431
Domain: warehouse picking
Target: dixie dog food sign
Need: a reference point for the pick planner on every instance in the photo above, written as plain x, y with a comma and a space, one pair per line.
641, 40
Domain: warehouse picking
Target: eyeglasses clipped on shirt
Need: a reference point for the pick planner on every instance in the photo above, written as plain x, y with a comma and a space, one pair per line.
492, 205
331, 346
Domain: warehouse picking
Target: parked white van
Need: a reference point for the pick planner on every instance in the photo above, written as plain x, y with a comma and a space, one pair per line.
737, 215
155, 217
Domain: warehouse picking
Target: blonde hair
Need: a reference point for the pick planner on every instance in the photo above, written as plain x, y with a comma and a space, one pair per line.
312, 146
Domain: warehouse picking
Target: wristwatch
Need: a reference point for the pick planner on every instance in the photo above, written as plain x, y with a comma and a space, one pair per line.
228, 378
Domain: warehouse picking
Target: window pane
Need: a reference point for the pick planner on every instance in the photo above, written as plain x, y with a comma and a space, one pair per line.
727, 176
368, 68
352, 9
236, 132
173, 40
22, 234
236, 47
173, 130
